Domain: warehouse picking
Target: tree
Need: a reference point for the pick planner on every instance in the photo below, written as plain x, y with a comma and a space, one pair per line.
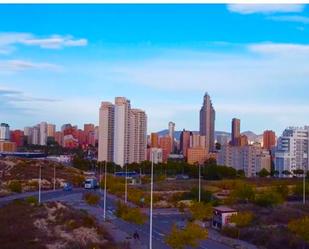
242, 219
188, 237
241, 173
201, 211
264, 173
286, 172
300, 228
298, 172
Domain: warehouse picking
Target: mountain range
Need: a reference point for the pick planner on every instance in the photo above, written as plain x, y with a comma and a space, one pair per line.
252, 137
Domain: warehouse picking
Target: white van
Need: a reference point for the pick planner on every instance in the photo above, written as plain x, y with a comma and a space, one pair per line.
91, 183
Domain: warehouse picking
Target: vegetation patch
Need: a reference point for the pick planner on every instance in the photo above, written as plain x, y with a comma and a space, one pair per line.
130, 214
50, 225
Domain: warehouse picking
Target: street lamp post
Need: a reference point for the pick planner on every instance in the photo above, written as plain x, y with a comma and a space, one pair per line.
104, 205
54, 177
100, 177
126, 187
199, 182
304, 186
40, 185
151, 193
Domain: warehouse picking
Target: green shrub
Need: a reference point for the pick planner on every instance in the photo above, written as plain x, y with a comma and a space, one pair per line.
32, 200
201, 211
269, 198
187, 237
242, 219
132, 215
15, 186
242, 193
92, 198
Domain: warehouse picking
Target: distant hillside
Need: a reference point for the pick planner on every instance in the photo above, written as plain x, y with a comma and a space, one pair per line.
252, 137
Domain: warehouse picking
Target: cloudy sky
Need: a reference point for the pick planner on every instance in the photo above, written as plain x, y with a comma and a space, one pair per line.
57, 63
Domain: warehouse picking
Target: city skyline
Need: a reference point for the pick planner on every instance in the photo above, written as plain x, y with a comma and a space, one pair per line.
49, 71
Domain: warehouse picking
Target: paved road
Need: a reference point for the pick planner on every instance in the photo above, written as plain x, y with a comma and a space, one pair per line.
162, 223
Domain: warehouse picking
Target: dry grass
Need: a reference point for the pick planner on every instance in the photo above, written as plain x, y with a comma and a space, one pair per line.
53, 225
26, 171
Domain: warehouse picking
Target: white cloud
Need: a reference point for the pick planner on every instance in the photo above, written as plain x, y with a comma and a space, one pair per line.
246, 9
8, 41
55, 42
283, 49
20, 65
291, 18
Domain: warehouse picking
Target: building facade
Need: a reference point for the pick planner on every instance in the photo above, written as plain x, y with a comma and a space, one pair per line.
4, 132
122, 133
207, 123
269, 139
250, 158
235, 131
106, 132
171, 131
292, 150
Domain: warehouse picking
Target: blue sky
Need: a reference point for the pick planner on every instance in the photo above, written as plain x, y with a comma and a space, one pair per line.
57, 62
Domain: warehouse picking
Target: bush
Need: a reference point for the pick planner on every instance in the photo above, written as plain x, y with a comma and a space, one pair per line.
15, 186
269, 198
242, 219
206, 196
201, 211
298, 189
132, 215
300, 228
32, 200
91, 198
188, 237
242, 193
78, 180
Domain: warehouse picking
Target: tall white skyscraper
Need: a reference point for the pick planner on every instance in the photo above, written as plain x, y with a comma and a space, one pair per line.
292, 150
171, 131
43, 133
122, 133
106, 132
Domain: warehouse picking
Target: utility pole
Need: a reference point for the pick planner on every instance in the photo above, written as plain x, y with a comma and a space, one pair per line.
54, 177
199, 182
304, 186
100, 177
40, 185
104, 204
126, 186
151, 193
